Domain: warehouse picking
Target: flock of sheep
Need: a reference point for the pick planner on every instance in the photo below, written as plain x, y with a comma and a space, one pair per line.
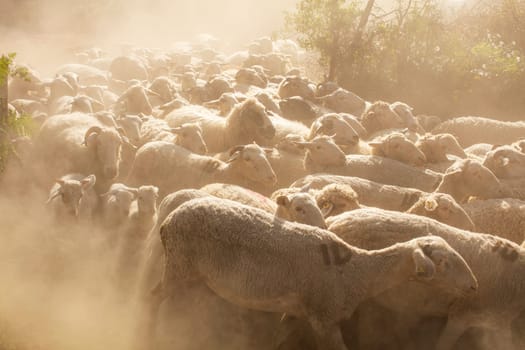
239, 173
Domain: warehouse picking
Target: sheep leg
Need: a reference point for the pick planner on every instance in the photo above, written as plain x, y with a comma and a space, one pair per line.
328, 336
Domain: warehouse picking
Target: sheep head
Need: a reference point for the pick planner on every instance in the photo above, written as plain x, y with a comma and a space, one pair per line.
380, 116
467, 178
335, 199
435, 261
333, 124
189, 136
251, 162
147, 199
105, 144
397, 146
323, 152
436, 147
71, 192
296, 86
300, 207
254, 121
442, 207
505, 162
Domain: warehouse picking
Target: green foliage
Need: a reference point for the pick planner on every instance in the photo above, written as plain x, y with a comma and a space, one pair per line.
441, 62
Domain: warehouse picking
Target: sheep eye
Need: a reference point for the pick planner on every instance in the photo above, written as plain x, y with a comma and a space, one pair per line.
184, 134
326, 205
248, 159
318, 147
299, 209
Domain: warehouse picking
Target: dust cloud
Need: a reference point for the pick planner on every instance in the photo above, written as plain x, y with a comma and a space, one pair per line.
60, 287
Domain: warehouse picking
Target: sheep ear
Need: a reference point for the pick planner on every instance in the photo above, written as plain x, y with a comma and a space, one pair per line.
268, 150
282, 200
431, 204
60, 182
234, 157
53, 196
88, 182
425, 268
175, 130
374, 143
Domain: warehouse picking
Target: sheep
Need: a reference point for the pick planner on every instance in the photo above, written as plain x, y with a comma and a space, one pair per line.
268, 101
299, 109
300, 207
467, 178
336, 126
73, 197
165, 88
224, 103
275, 63
171, 167
142, 213
127, 68
380, 116
501, 217
326, 279
436, 147
296, 86
396, 146
80, 143
491, 259
247, 122
135, 100
87, 75
323, 155
471, 130
442, 207
505, 162
132, 125
188, 135
404, 111
343, 101
116, 204
245, 77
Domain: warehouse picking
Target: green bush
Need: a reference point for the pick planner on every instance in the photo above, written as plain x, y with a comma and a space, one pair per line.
440, 62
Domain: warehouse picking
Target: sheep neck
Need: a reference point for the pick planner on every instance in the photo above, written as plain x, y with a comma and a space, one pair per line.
384, 268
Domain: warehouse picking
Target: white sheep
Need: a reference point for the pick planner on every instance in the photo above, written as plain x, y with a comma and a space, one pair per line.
79, 143
171, 167
187, 135
497, 264
501, 217
299, 270
506, 162
72, 197
398, 147
247, 122
471, 130
116, 204
442, 207
380, 116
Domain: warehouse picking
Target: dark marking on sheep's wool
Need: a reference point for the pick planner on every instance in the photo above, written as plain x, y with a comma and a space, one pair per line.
338, 259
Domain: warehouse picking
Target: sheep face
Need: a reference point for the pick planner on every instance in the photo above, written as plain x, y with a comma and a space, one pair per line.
117, 202
442, 207
71, 192
164, 87
437, 262
147, 199
189, 136
136, 100
131, 125
380, 116
470, 178
300, 207
295, 86
255, 119
288, 144
253, 164
436, 147
224, 104
323, 151
335, 199
343, 101
397, 146
505, 162
335, 126
249, 76
106, 145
